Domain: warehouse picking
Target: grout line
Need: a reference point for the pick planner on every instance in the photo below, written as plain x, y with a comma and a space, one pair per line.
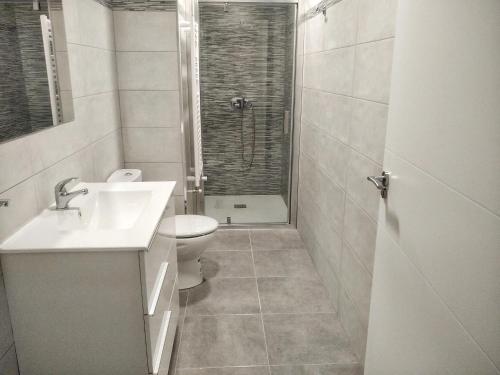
351, 45
345, 95
260, 304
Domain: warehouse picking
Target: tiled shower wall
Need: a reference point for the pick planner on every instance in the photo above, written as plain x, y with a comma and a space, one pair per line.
346, 78
244, 51
89, 147
24, 94
147, 63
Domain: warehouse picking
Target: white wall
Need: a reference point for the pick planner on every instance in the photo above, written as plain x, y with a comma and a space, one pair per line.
146, 44
436, 289
89, 147
347, 63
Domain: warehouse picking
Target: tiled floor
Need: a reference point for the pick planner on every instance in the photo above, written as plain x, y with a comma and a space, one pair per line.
262, 311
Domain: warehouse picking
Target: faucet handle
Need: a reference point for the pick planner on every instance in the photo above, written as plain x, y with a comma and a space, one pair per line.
61, 185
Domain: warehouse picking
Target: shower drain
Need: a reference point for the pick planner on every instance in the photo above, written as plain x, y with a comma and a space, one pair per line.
240, 205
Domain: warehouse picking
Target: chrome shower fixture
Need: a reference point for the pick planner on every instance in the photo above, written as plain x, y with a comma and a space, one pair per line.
239, 103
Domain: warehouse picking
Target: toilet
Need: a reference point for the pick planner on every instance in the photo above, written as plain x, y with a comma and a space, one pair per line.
193, 234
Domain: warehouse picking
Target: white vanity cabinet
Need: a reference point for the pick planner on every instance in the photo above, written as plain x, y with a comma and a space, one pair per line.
102, 312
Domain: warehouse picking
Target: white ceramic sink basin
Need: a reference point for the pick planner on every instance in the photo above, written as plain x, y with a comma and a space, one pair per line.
112, 216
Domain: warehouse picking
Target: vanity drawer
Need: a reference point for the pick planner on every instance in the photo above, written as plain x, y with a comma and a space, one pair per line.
161, 329
162, 250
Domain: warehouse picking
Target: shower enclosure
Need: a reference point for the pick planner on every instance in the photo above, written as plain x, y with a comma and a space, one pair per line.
246, 80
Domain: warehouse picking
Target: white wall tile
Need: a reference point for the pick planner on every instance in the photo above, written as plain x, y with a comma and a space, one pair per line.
324, 192
145, 31
339, 29
372, 71
313, 36
93, 70
455, 244
359, 189
419, 323
377, 19
357, 282
150, 108
368, 129
95, 24
360, 233
51, 145
15, 163
329, 112
329, 241
147, 70
71, 20
162, 172
327, 273
107, 156
349, 317
98, 114
22, 207
152, 145
330, 71
330, 154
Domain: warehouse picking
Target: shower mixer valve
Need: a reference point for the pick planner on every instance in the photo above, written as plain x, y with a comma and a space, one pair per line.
239, 103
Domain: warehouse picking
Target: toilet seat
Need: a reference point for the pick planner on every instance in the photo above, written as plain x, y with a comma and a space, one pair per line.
188, 226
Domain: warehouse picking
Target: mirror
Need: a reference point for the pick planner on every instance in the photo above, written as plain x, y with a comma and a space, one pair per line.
35, 85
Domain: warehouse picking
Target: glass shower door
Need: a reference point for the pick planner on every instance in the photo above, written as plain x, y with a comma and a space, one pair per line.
246, 79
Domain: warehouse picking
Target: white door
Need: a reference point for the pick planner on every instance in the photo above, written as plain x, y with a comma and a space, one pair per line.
435, 305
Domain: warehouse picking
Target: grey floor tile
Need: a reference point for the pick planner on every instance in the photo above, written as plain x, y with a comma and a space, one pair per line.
224, 296
294, 263
8, 363
227, 264
224, 340
230, 239
317, 370
306, 339
259, 370
293, 295
275, 239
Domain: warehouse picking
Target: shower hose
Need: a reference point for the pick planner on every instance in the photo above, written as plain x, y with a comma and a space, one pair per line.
247, 163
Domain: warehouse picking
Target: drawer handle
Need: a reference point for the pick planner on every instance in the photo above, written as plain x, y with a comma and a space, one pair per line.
155, 295
160, 343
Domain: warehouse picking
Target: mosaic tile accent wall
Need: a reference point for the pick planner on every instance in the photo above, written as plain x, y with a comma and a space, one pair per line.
138, 5
24, 94
243, 52
13, 119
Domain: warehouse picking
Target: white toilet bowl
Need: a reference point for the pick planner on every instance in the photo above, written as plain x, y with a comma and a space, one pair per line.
193, 234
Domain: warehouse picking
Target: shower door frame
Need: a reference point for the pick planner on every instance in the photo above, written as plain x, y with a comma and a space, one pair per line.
194, 198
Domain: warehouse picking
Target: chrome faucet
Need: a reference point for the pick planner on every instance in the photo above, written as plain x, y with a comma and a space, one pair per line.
63, 197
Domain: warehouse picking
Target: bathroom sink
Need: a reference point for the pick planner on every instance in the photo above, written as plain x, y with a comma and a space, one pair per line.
112, 216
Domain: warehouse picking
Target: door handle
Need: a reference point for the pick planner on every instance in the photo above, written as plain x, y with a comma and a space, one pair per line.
381, 183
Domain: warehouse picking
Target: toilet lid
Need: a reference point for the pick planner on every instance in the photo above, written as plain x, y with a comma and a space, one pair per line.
187, 226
